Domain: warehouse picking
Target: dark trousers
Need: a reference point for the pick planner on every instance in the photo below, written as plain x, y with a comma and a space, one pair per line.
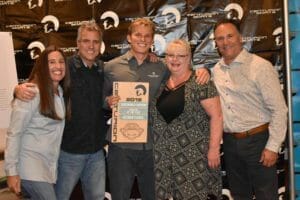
123, 165
246, 175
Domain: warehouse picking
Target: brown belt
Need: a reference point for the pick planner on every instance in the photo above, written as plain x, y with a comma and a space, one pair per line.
250, 132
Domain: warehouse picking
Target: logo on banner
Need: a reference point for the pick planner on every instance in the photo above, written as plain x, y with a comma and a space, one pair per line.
102, 48
173, 11
91, 2
227, 194
278, 36
110, 16
212, 38
35, 48
235, 11
32, 5
53, 21
159, 44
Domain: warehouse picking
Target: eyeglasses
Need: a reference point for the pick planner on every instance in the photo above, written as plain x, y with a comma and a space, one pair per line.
178, 56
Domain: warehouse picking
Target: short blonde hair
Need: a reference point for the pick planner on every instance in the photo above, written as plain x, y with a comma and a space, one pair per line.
180, 42
141, 22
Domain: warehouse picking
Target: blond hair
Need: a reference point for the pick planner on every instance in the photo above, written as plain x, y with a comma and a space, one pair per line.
141, 22
180, 42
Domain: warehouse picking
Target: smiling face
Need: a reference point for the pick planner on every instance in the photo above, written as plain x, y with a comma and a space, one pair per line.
229, 41
57, 67
178, 57
140, 39
89, 44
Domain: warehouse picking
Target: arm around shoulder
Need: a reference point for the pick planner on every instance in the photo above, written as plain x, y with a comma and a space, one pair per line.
25, 91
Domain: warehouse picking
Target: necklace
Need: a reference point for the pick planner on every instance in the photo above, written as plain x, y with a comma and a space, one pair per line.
173, 84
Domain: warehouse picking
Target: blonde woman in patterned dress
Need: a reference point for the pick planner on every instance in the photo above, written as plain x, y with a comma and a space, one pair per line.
187, 126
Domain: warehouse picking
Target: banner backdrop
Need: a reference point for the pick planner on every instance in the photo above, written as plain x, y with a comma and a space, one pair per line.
37, 23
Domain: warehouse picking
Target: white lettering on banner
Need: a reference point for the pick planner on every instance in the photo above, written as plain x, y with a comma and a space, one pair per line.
18, 51
120, 46
203, 15
265, 11
69, 49
74, 23
9, 2
255, 38
130, 19
20, 26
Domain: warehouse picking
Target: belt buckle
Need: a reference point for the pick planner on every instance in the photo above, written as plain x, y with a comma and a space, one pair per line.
247, 133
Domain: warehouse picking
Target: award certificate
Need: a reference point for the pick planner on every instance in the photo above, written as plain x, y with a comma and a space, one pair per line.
130, 115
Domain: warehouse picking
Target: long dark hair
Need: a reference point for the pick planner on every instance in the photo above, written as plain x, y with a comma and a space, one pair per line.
40, 75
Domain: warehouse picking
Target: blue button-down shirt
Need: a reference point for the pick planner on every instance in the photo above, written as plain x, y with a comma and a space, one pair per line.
33, 141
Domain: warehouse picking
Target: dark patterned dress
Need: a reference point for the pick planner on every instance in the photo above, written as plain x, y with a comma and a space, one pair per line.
181, 146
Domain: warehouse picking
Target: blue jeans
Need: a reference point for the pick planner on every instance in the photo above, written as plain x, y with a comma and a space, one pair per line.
37, 190
89, 168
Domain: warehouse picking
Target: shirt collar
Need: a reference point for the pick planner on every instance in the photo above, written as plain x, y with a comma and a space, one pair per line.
94, 64
240, 59
79, 59
129, 56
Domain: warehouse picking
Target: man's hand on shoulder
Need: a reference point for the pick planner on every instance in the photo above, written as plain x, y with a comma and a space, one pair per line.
202, 75
153, 57
25, 91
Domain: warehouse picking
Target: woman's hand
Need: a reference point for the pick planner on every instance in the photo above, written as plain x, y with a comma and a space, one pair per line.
202, 75
14, 184
213, 157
